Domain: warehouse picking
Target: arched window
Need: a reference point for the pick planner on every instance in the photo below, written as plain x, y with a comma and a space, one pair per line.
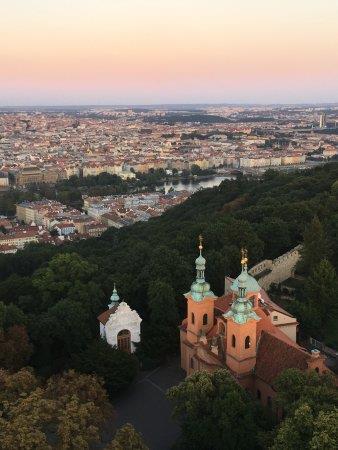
191, 363
221, 328
192, 318
259, 395
205, 319
123, 341
247, 342
233, 341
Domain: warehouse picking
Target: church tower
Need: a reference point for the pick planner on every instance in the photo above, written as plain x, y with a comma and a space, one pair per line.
241, 329
200, 315
200, 302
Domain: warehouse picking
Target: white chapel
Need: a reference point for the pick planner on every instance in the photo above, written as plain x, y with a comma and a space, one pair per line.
120, 325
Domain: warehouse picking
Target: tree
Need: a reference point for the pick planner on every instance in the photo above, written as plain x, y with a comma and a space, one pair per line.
56, 280
195, 169
15, 348
275, 235
162, 305
15, 385
315, 246
321, 289
334, 188
67, 413
115, 367
127, 438
295, 387
78, 424
159, 337
11, 315
325, 434
306, 430
59, 334
214, 413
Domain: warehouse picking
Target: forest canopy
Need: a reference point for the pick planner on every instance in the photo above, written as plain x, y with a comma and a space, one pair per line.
56, 293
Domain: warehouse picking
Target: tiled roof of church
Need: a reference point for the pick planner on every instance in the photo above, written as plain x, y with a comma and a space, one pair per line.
275, 353
273, 305
223, 303
104, 317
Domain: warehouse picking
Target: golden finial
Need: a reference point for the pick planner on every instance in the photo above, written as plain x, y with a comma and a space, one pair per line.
244, 260
200, 247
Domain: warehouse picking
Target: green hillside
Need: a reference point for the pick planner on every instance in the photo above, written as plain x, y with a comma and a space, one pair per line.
50, 289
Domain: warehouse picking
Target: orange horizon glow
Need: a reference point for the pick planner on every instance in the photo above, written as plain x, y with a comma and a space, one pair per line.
147, 51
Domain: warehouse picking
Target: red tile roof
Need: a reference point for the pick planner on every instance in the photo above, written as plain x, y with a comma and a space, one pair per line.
104, 317
276, 353
223, 303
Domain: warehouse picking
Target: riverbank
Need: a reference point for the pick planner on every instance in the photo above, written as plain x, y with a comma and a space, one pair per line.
193, 184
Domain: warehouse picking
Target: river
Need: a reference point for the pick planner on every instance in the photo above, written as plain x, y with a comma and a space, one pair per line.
194, 185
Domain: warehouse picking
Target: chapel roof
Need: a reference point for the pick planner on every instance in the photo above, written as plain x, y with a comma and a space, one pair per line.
104, 317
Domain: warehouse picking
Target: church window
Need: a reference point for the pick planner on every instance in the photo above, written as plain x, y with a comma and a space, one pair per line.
259, 395
233, 341
205, 319
221, 328
192, 318
191, 363
123, 341
247, 342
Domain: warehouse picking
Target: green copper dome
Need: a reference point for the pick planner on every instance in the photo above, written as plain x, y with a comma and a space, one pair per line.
245, 280
200, 288
114, 299
241, 311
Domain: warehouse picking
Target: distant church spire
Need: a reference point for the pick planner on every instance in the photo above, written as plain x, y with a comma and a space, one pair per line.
114, 299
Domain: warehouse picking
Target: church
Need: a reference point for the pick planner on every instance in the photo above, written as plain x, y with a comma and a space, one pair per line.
120, 325
243, 331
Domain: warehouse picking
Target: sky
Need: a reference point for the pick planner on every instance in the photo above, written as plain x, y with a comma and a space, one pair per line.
67, 52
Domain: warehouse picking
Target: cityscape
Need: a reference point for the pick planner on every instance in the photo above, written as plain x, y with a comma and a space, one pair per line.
46, 147
168, 225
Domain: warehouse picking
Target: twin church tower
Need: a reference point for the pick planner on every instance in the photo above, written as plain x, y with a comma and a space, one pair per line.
243, 331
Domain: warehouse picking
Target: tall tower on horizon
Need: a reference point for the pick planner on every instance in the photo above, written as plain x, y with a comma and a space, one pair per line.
322, 120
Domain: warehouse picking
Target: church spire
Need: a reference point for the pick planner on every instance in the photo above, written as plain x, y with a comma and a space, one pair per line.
114, 299
200, 289
244, 259
242, 310
200, 263
242, 279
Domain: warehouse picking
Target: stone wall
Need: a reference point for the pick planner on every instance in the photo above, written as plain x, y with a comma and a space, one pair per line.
278, 270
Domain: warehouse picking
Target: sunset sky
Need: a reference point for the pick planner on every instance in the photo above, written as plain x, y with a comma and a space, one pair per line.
55, 52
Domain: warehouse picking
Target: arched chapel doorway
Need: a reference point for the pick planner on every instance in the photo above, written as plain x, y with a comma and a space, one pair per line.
123, 341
